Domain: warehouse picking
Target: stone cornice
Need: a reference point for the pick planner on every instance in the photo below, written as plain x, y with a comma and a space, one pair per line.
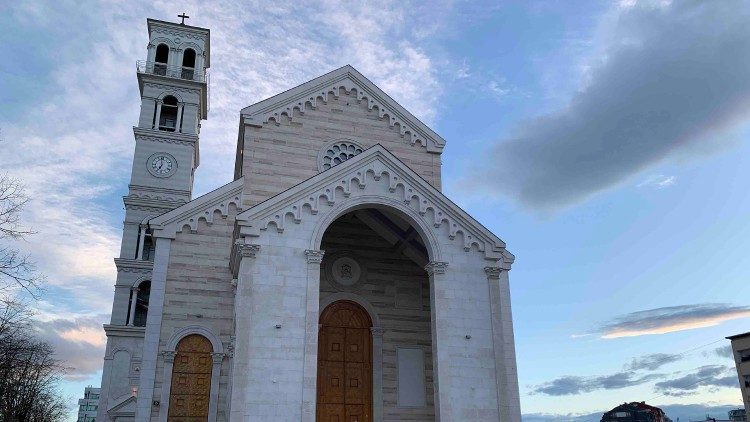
133, 265
348, 78
157, 204
124, 331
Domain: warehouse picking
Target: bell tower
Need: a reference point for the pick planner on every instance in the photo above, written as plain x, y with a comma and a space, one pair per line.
173, 84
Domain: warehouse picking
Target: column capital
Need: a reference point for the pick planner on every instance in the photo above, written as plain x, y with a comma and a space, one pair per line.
436, 267
377, 331
230, 346
493, 273
217, 357
314, 256
169, 355
246, 250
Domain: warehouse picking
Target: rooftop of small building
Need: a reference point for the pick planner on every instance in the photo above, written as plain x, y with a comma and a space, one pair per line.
736, 336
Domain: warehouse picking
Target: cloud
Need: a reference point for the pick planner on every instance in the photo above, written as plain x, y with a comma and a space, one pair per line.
717, 376
653, 361
79, 342
671, 319
658, 181
724, 351
570, 385
659, 85
72, 144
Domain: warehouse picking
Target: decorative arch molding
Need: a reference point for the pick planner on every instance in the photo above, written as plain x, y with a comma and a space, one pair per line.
203, 209
359, 300
195, 329
163, 40
169, 92
169, 354
191, 45
351, 81
378, 201
140, 280
375, 178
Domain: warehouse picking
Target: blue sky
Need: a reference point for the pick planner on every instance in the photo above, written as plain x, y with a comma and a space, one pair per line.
604, 142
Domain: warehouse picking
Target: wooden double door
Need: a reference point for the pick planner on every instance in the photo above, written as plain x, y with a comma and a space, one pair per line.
344, 364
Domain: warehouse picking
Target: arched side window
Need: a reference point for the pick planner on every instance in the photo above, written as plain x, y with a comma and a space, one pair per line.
191, 379
168, 117
188, 64
139, 303
161, 59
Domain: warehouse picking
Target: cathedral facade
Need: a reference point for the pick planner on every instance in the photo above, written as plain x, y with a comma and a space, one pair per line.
331, 280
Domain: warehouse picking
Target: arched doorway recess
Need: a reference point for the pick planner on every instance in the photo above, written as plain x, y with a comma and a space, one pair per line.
344, 363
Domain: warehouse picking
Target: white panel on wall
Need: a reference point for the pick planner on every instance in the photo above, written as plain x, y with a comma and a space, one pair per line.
120, 372
411, 382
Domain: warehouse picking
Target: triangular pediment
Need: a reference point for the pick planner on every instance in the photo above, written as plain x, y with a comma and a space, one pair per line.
124, 406
309, 93
391, 180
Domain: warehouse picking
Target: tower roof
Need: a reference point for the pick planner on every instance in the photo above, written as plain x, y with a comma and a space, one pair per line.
187, 30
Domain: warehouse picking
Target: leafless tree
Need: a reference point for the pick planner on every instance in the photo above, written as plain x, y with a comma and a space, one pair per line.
16, 269
29, 373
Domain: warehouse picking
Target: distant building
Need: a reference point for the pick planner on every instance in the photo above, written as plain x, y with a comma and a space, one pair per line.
89, 404
741, 353
738, 415
635, 412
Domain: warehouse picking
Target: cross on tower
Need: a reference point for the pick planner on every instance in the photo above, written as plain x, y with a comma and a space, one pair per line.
183, 16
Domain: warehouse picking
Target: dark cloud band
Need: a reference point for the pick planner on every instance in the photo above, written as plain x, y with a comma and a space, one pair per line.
665, 84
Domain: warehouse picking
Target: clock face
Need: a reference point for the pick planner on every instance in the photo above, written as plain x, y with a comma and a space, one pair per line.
162, 165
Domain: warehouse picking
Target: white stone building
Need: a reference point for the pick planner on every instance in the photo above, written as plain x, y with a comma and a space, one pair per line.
331, 280
88, 406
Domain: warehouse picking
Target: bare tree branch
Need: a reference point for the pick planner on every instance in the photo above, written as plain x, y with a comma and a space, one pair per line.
16, 269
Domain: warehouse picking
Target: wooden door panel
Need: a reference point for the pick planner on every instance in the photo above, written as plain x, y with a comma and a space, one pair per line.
344, 364
356, 345
332, 344
331, 378
357, 390
357, 413
331, 413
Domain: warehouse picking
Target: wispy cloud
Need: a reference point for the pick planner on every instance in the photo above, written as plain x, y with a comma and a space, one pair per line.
712, 376
652, 361
671, 319
658, 181
571, 385
649, 95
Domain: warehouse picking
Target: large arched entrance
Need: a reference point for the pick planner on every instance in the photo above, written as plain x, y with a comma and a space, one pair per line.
344, 364
375, 338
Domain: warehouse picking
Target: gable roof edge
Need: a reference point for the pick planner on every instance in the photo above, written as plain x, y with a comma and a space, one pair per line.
297, 197
307, 94
203, 207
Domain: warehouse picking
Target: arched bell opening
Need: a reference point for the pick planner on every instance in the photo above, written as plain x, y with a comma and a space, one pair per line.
373, 268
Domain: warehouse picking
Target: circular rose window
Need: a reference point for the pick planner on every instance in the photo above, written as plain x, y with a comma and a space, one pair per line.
337, 153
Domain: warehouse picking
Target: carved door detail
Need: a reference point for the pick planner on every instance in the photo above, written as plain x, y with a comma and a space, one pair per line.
191, 380
344, 364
